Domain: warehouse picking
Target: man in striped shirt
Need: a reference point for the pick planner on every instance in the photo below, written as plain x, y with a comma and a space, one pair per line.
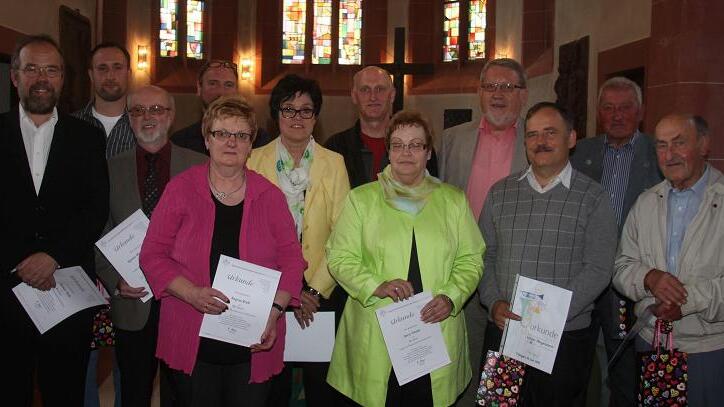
110, 69
623, 160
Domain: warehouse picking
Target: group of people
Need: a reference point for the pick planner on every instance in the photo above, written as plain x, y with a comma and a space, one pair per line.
626, 221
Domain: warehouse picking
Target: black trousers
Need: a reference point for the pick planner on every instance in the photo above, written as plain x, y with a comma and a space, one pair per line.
218, 385
623, 375
567, 384
58, 359
314, 375
135, 353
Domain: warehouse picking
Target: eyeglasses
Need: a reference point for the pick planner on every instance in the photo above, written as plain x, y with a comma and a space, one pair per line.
412, 147
51, 71
226, 135
219, 63
290, 113
503, 87
154, 110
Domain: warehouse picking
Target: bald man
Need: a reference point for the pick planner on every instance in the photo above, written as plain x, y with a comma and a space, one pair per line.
363, 145
670, 254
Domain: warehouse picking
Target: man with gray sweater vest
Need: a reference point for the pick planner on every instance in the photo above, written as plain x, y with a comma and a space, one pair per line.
553, 224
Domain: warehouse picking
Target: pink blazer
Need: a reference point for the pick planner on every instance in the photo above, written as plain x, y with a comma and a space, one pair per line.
178, 243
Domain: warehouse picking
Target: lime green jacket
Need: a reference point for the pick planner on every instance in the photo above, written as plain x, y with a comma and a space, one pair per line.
370, 244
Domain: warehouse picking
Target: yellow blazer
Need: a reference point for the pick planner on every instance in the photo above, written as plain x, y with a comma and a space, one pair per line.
328, 187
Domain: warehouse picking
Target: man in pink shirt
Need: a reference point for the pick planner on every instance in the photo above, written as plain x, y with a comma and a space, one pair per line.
475, 155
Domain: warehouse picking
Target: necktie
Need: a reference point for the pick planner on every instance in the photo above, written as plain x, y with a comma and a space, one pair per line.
151, 192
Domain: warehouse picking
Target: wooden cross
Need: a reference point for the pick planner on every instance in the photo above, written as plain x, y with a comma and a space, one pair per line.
399, 68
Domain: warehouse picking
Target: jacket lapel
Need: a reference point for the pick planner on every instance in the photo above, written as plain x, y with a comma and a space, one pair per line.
18, 155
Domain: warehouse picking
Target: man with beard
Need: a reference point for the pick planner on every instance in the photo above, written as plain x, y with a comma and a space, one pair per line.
110, 69
553, 224
363, 145
137, 178
475, 155
52, 210
216, 78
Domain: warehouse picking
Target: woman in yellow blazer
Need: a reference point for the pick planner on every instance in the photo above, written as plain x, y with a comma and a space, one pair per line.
315, 183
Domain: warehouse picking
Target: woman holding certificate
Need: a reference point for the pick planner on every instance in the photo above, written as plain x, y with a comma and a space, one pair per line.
314, 181
214, 209
396, 237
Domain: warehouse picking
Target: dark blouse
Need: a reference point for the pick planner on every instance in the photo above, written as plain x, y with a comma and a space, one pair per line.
225, 240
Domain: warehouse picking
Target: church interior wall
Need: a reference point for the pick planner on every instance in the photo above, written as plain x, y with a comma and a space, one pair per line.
41, 16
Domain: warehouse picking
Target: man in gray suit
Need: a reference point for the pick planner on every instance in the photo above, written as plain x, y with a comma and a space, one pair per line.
475, 155
138, 177
623, 161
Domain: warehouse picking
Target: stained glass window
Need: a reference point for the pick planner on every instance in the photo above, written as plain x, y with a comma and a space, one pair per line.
476, 30
168, 31
293, 31
322, 35
350, 32
194, 29
451, 31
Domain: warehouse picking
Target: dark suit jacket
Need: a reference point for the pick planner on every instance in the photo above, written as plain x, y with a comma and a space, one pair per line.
67, 216
358, 159
128, 314
588, 159
192, 138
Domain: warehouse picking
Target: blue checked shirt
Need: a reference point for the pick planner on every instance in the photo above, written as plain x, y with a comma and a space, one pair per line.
616, 169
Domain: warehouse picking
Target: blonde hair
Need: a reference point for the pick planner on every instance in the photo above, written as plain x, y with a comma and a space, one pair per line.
229, 106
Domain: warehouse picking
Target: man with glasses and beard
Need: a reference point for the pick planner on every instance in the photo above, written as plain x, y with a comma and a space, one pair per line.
216, 78
53, 208
110, 69
138, 178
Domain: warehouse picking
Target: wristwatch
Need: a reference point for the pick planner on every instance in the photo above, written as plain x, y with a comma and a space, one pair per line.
314, 292
278, 307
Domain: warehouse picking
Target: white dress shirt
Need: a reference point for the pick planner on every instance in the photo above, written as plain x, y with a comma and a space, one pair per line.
37, 140
563, 177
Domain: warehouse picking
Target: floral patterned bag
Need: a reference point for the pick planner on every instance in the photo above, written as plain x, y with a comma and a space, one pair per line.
663, 371
103, 332
500, 382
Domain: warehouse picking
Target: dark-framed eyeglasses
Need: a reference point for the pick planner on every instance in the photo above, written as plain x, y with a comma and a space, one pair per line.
414, 147
153, 110
503, 87
224, 135
33, 71
290, 112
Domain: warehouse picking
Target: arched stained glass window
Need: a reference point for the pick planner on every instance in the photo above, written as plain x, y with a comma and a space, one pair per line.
469, 24
333, 35
181, 26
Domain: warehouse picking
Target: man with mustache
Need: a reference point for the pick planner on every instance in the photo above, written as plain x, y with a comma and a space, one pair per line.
109, 72
474, 155
623, 161
670, 255
363, 145
137, 178
554, 224
52, 210
216, 78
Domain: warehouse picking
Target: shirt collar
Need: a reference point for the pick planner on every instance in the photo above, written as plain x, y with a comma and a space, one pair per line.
698, 188
485, 126
563, 177
24, 117
629, 144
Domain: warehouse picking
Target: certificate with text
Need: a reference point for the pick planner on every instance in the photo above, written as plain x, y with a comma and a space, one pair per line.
415, 348
543, 309
74, 291
251, 290
122, 246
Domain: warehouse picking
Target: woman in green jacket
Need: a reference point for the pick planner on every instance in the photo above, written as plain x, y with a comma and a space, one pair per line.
398, 236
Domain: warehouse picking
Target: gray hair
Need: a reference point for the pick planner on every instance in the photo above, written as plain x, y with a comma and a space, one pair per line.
508, 63
619, 82
170, 100
700, 124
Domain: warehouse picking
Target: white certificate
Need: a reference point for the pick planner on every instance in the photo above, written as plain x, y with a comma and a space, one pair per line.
73, 292
122, 245
415, 347
543, 309
251, 290
311, 344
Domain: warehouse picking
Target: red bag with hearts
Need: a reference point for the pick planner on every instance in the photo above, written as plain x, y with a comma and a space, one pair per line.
663, 371
500, 382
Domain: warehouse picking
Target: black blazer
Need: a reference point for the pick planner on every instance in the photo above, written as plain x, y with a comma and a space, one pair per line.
68, 214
